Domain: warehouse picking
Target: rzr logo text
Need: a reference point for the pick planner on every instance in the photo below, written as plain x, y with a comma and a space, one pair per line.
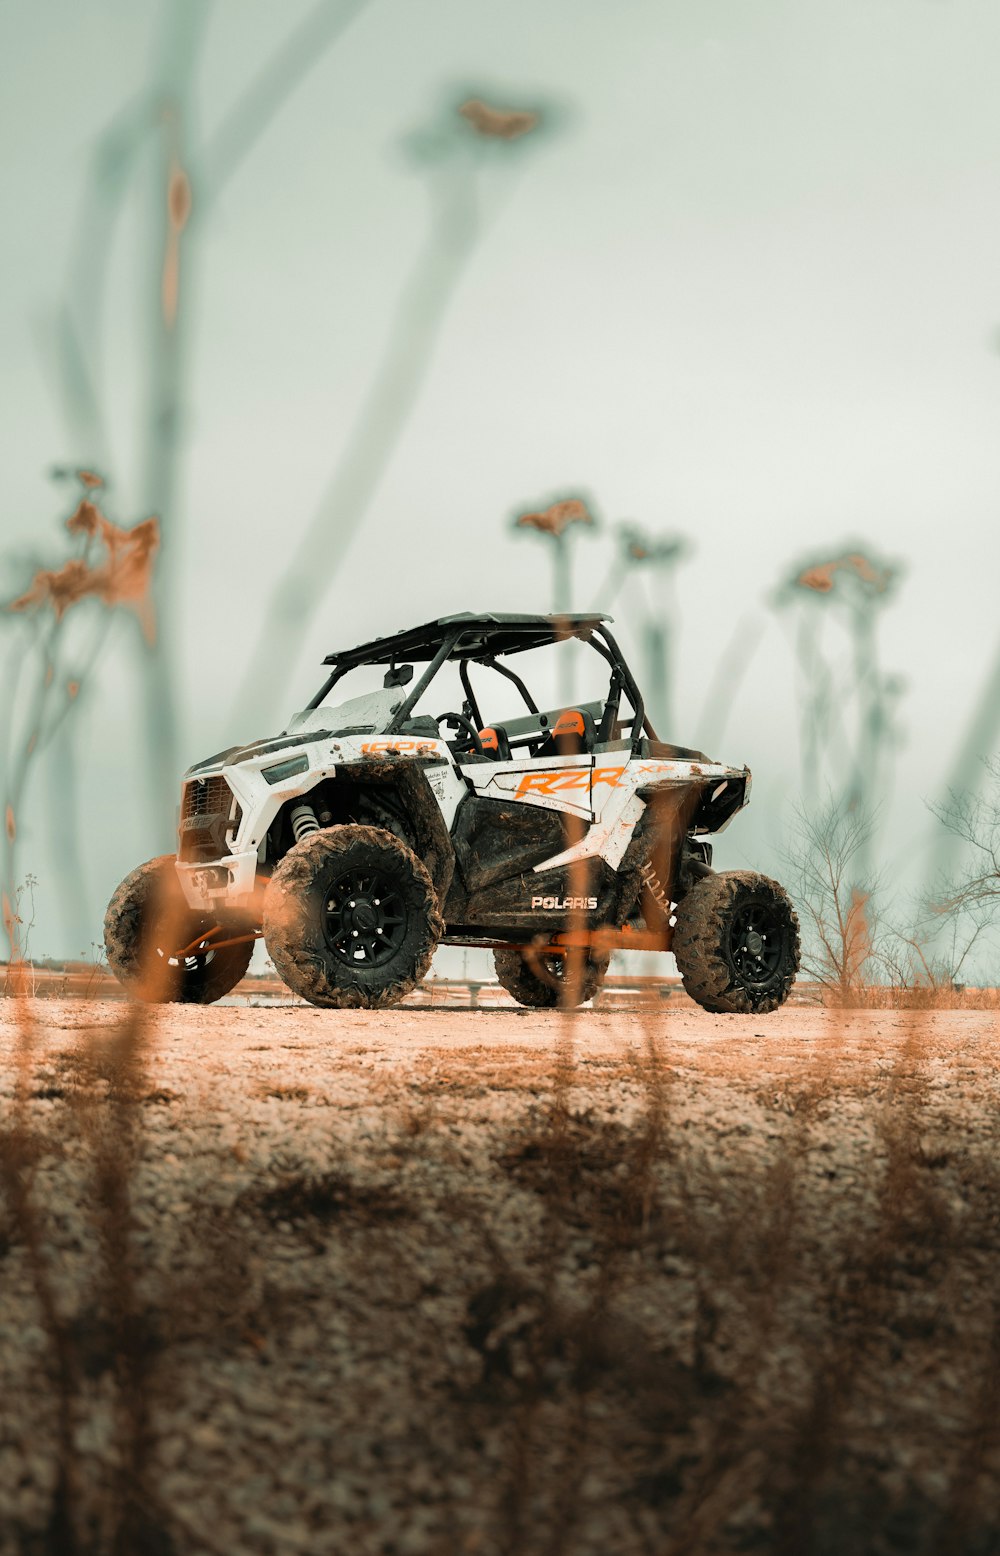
560, 782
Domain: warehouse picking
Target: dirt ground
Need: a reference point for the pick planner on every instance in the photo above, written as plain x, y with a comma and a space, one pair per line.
497, 1281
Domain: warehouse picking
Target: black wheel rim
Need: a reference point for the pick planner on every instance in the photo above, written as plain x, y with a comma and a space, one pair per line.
194, 962
550, 970
758, 932
553, 970
364, 918
198, 960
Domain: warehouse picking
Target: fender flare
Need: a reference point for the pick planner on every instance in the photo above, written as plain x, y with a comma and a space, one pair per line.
406, 775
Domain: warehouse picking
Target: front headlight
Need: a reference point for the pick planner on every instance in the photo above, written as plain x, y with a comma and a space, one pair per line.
286, 769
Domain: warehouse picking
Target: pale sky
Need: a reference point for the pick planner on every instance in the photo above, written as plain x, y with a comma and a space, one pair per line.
749, 291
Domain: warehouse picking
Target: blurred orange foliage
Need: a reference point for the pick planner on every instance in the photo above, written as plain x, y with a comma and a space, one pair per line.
122, 577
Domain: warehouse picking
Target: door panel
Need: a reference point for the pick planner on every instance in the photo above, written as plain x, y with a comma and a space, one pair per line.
541, 903
495, 839
551, 783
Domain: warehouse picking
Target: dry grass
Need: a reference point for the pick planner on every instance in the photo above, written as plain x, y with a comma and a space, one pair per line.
915, 996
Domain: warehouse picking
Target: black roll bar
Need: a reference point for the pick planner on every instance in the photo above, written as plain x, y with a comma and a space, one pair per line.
640, 723
403, 712
463, 671
530, 702
612, 653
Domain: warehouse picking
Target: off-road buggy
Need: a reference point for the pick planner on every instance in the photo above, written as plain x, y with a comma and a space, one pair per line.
372, 831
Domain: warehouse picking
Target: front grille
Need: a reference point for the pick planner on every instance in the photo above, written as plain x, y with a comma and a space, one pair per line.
206, 797
209, 809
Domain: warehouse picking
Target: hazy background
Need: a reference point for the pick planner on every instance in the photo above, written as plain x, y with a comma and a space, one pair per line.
746, 289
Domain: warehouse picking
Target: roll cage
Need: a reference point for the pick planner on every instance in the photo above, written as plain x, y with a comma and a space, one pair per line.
469, 639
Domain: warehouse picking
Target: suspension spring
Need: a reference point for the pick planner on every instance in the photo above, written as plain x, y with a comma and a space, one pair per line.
304, 823
655, 888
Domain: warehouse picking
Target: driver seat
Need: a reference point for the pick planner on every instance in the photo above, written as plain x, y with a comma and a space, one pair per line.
495, 742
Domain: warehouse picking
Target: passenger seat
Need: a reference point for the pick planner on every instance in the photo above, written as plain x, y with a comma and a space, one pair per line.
572, 734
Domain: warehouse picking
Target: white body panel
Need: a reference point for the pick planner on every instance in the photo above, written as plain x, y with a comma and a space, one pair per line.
601, 789
553, 783
260, 801
617, 805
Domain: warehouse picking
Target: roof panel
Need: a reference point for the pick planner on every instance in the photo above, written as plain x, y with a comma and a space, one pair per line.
477, 637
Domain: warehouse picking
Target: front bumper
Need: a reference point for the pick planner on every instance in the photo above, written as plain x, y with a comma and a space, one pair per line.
229, 882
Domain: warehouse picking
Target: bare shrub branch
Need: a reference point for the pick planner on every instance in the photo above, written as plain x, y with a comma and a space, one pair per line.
834, 897
973, 819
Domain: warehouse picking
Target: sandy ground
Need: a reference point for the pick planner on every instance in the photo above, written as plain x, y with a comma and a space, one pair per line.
493, 1281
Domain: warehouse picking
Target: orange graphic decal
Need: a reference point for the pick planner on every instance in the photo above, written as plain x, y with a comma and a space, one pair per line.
554, 782
400, 747
568, 779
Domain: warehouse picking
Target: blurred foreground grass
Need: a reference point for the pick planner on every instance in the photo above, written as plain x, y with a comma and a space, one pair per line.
499, 1282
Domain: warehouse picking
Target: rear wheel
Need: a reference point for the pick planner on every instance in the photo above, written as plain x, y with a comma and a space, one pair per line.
552, 980
148, 922
737, 942
351, 918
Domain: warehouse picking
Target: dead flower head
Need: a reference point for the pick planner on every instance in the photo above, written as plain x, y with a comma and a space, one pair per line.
661, 549
86, 520
822, 577
557, 518
60, 588
90, 479
498, 123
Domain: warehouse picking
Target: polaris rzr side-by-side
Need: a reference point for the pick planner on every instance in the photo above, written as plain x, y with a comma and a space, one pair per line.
373, 830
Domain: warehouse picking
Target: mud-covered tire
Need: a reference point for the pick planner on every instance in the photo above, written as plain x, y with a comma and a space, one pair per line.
147, 920
736, 942
518, 977
314, 928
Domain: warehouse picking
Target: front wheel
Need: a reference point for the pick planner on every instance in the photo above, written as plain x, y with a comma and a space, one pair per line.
351, 918
737, 942
551, 981
147, 925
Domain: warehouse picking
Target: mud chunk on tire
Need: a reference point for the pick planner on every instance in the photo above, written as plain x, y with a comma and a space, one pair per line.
736, 942
351, 918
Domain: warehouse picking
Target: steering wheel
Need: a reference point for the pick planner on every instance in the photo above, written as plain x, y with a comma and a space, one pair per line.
459, 721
